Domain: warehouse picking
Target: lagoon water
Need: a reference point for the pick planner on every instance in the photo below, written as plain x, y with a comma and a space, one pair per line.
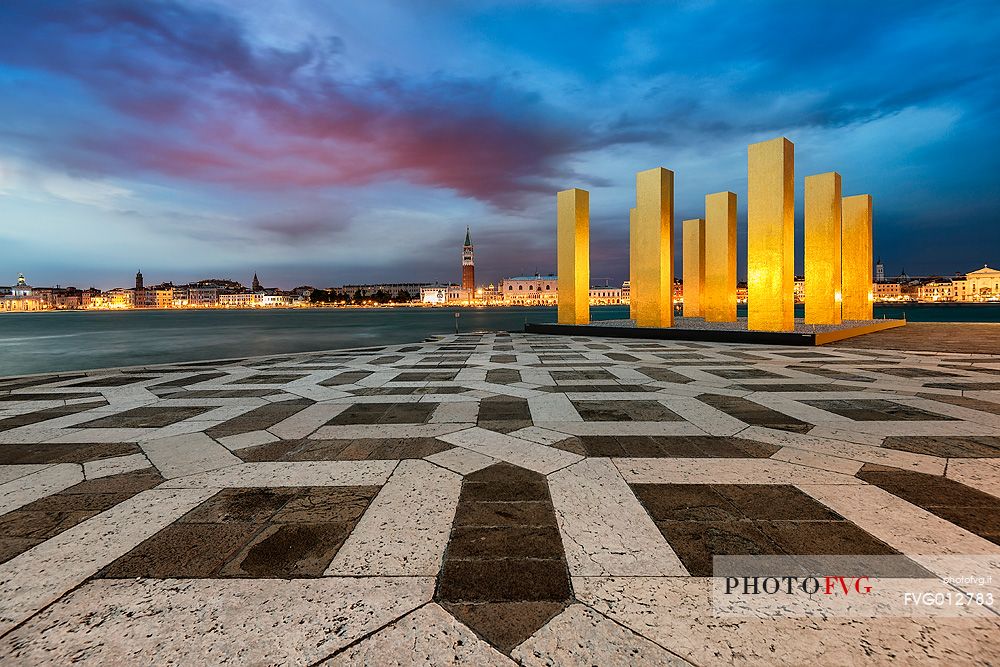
75, 340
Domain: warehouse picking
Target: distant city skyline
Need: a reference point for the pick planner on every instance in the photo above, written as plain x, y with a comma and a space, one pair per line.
323, 144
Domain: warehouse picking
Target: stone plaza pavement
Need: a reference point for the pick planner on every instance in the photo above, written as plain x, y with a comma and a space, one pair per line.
487, 499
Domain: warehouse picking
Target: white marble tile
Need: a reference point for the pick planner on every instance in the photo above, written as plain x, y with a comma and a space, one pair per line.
41, 575
248, 439
458, 412
429, 636
910, 529
581, 636
25, 489
192, 621
305, 421
833, 433
188, 454
542, 436
552, 408
931, 465
725, 471
283, 473
9, 473
99, 435
461, 460
114, 466
405, 529
605, 531
524, 453
704, 416
816, 460
982, 474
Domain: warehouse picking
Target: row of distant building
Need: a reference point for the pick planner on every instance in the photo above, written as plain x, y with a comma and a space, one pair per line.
981, 285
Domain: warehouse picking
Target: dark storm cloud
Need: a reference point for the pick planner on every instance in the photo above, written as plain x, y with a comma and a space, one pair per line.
199, 101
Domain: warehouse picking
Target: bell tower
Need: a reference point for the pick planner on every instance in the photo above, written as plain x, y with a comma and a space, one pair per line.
468, 264
138, 280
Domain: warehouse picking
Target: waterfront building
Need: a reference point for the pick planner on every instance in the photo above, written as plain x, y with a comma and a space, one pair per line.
275, 301
369, 290
460, 295
888, 291
118, 298
19, 297
163, 296
982, 285
533, 290
241, 300
879, 271
468, 264
202, 297
435, 296
602, 295
936, 289
627, 292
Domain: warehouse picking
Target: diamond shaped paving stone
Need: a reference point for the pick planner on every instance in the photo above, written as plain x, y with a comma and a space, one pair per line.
626, 446
745, 374
146, 417
257, 533
700, 521
385, 413
876, 410
275, 379
620, 411
504, 572
112, 381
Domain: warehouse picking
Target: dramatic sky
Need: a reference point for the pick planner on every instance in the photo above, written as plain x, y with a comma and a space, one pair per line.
330, 142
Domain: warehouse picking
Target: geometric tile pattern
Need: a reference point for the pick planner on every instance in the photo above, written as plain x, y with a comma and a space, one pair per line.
485, 497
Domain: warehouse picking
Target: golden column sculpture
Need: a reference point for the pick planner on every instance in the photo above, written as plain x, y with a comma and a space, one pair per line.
719, 295
573, 256
823, 249
652, 291
857, 254
693, 232
770, 236
632, 254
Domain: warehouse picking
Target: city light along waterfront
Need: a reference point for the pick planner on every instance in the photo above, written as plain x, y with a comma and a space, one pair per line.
76, 340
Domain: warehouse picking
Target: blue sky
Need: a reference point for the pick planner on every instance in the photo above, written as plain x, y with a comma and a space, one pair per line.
325, 143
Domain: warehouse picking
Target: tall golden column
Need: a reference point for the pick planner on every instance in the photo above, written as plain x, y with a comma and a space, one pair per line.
652, 291
719, 296
857, 279
770, 236
573, 256
632, 254
693, 232
823, 249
